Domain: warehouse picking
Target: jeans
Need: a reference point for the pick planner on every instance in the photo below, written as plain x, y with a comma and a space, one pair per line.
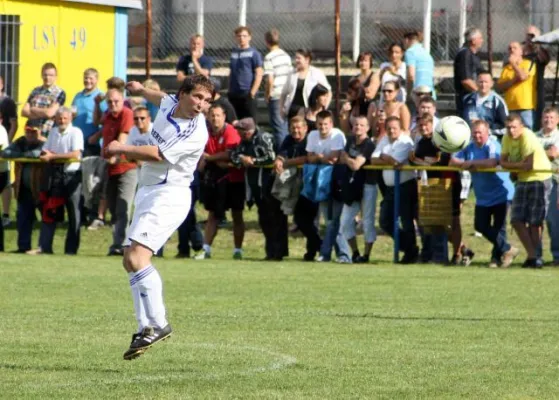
332, 210
491, 222
278, 125
304, 215
434, 247
120, 195
527, 117
26, 217
367, 206
408, 211
552, 221
72, 243
190, 234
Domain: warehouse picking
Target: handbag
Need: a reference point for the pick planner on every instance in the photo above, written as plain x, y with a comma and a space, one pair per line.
317, 180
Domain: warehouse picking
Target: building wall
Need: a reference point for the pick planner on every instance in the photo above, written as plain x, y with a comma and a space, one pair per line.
73, 36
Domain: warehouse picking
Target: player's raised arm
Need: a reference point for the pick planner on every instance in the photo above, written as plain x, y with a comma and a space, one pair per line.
140, 153
153, 96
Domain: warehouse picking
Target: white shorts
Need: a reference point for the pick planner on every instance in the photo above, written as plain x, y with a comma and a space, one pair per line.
159, 211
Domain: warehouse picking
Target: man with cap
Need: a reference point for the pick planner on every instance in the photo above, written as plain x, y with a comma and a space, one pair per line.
255, 151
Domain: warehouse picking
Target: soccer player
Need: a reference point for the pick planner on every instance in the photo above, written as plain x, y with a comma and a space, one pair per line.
176, 144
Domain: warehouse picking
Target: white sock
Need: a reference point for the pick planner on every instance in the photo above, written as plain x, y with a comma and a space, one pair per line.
138, 304
207, 248
151, 292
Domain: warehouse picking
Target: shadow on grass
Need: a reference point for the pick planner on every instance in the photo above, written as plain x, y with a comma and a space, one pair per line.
442, 318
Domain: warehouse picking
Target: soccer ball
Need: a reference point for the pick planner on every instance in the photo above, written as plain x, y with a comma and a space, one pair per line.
451, 134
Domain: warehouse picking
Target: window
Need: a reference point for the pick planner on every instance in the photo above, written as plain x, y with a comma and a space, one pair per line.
9, 53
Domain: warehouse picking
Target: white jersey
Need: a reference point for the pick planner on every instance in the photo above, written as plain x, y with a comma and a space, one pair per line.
181, 141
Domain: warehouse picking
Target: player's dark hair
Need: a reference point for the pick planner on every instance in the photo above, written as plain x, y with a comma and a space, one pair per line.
240, 29
395, 44
411, 35
272, 37
297, 120
192, 81
116, 83
550, 109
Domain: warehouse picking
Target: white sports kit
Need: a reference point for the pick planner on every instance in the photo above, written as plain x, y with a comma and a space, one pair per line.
163, 198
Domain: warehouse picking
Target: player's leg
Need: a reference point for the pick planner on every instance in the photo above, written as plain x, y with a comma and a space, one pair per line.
147, 293
236, 202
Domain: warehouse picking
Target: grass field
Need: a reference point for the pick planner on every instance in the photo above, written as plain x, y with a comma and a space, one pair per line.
290, 330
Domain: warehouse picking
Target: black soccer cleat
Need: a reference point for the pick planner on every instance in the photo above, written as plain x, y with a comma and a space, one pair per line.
143, 341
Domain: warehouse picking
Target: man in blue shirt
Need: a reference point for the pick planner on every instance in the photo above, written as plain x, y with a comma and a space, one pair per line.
494, 192
83, 106
486, 105
419, 63
196, 62
245, 75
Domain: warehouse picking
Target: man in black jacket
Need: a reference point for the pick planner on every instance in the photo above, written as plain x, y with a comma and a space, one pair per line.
256, 151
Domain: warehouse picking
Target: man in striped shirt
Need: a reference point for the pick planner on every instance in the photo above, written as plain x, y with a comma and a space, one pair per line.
277, 66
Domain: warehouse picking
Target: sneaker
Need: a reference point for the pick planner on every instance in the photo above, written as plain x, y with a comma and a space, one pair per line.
356, 256
362, 260
144, 340
477, 234
34, 252
539, 263
202, 255
343, 260
237, 255
494, 264
6, 221
529, 263
508, 257
322, 259
96, 224
467, 257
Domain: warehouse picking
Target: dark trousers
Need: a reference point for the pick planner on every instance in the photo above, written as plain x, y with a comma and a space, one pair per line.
304, 216
189, 232
25, 216
244, 105
408, 211
1, 237
72, 243
491, 222
273, 223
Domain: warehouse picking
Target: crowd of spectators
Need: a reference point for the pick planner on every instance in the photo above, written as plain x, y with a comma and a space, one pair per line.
317, 160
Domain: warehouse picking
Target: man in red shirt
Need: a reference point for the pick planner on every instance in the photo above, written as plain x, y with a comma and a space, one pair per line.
120, 186
222, 187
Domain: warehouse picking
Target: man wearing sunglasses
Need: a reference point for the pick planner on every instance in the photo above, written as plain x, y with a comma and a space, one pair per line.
139, 134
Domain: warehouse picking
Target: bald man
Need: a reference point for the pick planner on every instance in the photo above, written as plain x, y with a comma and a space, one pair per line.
518, 85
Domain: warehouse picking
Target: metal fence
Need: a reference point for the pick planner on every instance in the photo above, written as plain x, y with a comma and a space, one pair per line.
365, 25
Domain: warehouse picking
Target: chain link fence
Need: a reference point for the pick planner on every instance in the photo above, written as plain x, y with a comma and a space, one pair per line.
310, 24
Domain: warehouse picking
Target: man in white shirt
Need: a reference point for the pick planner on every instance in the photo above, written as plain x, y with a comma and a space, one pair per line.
393, 150
162, 202
324, 146
65, 142
277, 67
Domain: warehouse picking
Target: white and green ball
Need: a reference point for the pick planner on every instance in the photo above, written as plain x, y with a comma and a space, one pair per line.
452, 134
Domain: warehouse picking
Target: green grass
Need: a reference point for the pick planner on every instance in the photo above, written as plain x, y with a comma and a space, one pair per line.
286, 330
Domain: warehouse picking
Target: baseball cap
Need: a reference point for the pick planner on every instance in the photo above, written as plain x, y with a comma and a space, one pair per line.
245, 124
423, 89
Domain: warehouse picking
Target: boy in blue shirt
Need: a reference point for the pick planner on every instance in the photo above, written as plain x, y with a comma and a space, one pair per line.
494, 192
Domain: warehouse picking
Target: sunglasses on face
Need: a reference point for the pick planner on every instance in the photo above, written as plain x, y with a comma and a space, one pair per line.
387, 90
113, 101
139, 118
